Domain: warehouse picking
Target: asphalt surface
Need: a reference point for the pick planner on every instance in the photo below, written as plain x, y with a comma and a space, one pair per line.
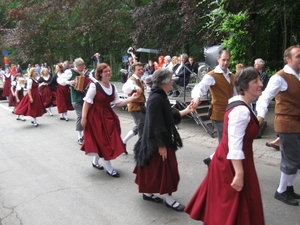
45, 178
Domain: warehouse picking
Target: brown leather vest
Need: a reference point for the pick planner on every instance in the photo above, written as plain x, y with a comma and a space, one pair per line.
287, 108
137, 104
221, 92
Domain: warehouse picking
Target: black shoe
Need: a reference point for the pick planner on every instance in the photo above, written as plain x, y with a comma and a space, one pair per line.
286, 198
125, 151
80, 141
98, 166
152, 198
207, 161
170, 93
113, 173
62, 118
290, 190
176, 94
178, 208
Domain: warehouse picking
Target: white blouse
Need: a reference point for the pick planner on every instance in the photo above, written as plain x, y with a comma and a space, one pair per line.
29, 83
91, 93
238, 120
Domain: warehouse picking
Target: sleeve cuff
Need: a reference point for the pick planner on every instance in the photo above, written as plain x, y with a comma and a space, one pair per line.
236, 154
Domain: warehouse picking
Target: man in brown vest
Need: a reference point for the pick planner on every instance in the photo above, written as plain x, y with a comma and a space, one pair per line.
220, 82
285, 87
136, 107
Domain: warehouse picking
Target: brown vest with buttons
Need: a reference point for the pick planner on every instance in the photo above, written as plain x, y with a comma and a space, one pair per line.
220, 92
287, 108
137, 104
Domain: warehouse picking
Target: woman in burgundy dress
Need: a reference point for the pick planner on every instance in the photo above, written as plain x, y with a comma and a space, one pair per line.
32, 104
230, 192
46, 91
7, 79
63, 96
11, 97
17, 94
101, 124
156, 163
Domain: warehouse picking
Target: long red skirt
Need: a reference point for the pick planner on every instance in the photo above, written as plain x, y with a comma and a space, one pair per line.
63, 99
35, 109
159, 176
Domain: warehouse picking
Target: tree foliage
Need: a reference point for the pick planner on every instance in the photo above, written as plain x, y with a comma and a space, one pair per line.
56, 30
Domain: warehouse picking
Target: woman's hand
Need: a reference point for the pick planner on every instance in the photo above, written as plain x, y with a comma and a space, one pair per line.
237, 182
83, 122
135, 96
31, 100
163, 152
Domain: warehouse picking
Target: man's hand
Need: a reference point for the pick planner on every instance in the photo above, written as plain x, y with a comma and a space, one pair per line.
138, 90
195, 102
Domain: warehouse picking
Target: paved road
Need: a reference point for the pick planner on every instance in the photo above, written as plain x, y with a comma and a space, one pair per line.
45, 178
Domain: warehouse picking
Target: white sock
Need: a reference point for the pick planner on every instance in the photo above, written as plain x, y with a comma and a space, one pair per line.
129, 135
285, 179
65, 115
79, 134
108, 166
294, 177
211, 156
49, 111
61, 115
34, 120
96, 159
170, 200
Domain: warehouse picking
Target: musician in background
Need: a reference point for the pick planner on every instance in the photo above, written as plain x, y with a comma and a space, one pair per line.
129, 68
69, 78
97, 59
133, 52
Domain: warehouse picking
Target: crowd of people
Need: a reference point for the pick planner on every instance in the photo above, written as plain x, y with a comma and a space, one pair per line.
230, 191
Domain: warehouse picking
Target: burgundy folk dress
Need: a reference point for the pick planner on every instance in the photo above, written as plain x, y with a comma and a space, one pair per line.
35, 109
11, 97
63, 99
153, 175
102, 135
12, 100
47, 94
6, 88
215, 201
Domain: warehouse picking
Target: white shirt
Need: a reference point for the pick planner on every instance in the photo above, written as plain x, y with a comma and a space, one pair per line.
91, 93
64, 78
29, 83
178, 69
238, 120
275, 85
168, 66
201, 89
129, 86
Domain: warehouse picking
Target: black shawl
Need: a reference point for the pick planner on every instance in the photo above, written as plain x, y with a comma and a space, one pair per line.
159, 128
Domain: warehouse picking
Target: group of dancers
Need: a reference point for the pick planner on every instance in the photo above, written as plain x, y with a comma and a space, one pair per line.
43, 92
